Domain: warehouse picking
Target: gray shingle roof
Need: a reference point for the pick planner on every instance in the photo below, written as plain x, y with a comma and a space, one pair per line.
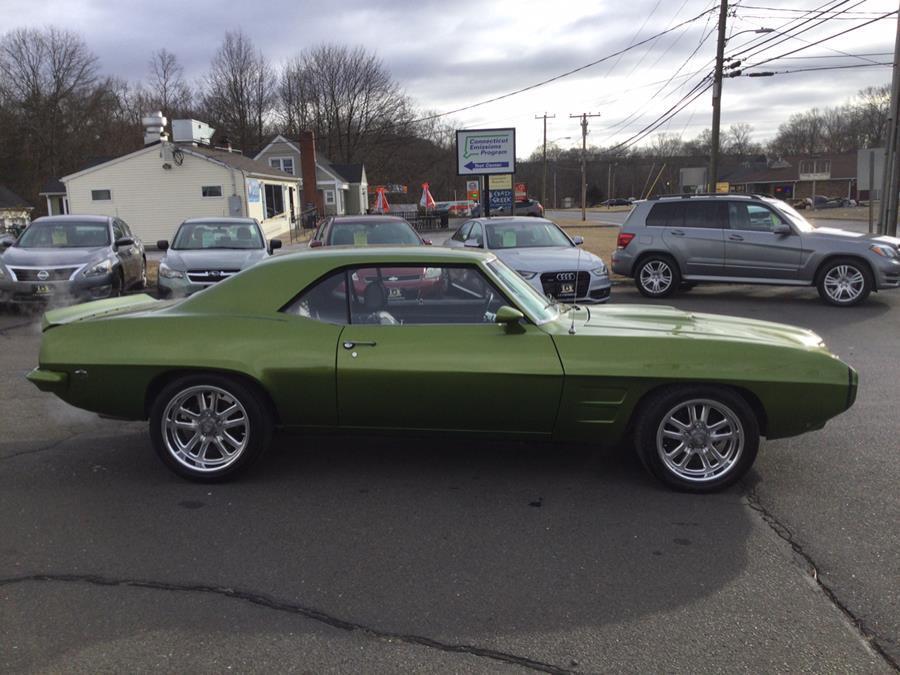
10, 200
242, 162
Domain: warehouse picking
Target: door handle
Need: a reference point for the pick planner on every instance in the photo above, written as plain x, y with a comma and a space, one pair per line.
350, 344
735, 237
678, 233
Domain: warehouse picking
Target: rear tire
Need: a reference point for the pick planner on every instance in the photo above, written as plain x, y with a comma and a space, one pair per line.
844, 282
657, 276
696, 438
209, 427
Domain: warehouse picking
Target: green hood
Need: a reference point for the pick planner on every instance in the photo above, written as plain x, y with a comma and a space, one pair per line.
647, 321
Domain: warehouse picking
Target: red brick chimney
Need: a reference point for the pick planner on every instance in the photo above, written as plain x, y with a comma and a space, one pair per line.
308, 170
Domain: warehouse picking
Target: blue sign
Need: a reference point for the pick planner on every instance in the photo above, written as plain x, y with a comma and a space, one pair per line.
501, 199
253, 190
481, 166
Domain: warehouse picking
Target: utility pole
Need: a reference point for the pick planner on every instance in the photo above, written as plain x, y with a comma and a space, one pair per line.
891, 184
584, 126
717, 99
545, 117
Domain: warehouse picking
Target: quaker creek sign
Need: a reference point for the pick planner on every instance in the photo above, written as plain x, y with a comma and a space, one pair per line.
485, 151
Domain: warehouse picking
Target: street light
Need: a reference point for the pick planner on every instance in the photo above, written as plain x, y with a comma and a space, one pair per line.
717, 94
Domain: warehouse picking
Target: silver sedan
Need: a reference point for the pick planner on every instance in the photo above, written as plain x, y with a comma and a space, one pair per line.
542, 253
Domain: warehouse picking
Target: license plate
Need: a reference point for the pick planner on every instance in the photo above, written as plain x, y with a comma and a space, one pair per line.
567, 289
42, 290
395, 293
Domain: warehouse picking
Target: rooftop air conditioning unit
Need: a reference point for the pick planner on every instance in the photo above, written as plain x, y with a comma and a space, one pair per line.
154, 128
191, 131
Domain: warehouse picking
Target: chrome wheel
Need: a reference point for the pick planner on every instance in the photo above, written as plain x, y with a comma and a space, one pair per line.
205, 428
700, 440
844, 284
656, 276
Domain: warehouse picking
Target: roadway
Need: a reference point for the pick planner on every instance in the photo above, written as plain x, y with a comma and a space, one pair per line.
380, 554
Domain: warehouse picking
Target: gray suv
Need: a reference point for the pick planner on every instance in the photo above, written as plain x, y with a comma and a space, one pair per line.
669, 242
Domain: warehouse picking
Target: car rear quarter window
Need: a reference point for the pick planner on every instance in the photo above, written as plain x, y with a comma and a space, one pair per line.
324, 300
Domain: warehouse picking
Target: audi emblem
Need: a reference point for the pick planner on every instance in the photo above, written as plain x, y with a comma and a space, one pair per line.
43, 275
565, 276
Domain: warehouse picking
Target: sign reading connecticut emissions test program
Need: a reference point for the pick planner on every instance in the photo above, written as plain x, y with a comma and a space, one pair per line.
485, 151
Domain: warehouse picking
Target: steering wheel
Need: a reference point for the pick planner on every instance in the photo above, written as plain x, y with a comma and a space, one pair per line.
489, 298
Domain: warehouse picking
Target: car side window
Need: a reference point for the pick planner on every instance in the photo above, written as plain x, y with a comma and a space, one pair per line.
752, 217
324, 300
118, 232
125, 228
463, 232
321, 231
476, 234
705, 214
418, 295
666, 214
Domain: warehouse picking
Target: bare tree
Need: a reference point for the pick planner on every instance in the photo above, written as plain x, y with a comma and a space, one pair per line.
739, 140
167, 88
50, 89
871, 107
240, 90
348, 98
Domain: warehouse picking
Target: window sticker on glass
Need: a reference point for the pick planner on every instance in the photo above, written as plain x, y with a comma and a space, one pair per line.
360, 238
58, 237
509, 239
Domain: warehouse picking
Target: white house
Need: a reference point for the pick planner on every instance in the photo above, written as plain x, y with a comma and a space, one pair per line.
157, 187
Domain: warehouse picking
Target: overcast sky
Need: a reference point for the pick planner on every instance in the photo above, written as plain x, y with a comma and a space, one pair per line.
452, 54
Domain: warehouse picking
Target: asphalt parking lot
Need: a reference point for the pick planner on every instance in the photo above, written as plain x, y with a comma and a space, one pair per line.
381, 554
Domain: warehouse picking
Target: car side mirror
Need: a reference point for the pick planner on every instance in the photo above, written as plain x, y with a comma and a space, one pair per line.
6, 242
473, 243
162, 245
273, 244
124, 241
509, 315
578, 240
782, 229
427, 242
315, 243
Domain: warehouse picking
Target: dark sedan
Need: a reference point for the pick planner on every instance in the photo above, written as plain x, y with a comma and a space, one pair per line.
365, 231
68, 258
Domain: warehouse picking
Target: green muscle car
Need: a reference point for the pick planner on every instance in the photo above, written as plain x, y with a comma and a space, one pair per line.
322, 339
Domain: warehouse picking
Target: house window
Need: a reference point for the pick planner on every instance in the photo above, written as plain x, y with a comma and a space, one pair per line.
329, 197
286, 164
274, 200
211, 190
101, 195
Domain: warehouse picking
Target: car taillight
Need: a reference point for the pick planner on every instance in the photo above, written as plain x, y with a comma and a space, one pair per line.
624, 239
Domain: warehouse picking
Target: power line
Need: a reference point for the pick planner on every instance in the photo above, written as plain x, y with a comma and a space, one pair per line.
565, 74
813, 44
809, 70
792, 9
786, 27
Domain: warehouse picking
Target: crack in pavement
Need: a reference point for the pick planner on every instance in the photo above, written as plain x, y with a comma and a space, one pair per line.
784, 532
269, 602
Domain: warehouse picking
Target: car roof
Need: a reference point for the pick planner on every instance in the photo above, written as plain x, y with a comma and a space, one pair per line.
345, 255
366, 219
224, 220
497, 220
72, 219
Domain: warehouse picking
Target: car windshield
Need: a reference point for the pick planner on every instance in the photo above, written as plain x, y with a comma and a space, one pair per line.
196, 236
793, 215
527, 297
525, 235
70, 234
361, 233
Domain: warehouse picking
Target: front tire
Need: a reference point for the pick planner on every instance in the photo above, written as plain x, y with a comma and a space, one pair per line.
209, 427
844, 282
697, 438
657, 277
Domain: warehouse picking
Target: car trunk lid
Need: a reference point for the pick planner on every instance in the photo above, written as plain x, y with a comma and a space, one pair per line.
98, 308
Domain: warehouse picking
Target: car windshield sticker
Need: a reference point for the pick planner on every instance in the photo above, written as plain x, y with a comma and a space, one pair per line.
58, 237
359, 238
509, 239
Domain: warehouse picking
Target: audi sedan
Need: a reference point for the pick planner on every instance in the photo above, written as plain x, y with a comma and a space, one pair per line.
61, 259
542, 253
207, 250
290, 343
